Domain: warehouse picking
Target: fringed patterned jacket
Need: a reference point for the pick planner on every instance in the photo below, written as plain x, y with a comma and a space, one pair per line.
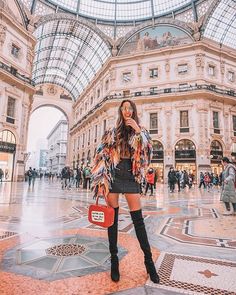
108, 156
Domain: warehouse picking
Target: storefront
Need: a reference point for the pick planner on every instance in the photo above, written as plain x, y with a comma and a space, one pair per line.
7, 154
157, 161
216, 155
185, 156
233, 153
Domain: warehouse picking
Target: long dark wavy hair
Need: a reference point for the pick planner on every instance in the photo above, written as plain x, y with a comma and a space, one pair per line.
124, 132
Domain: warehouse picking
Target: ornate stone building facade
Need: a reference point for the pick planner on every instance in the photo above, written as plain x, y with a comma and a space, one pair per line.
16, 88
185, 94
57, 147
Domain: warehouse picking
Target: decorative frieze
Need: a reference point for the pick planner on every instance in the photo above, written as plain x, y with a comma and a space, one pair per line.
30, 56
3, 30
200, 60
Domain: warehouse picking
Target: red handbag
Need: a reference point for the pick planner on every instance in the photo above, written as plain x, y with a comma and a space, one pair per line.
102, 215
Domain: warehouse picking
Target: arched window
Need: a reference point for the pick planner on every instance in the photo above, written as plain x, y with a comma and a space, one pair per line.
216, 150
185, 149
7, 136
158, 151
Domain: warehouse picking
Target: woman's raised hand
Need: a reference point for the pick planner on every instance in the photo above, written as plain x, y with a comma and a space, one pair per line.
132, 123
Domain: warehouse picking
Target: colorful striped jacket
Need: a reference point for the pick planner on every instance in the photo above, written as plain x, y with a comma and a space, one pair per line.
108, 156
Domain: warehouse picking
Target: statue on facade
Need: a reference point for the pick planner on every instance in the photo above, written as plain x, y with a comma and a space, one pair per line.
196, 28
199, 60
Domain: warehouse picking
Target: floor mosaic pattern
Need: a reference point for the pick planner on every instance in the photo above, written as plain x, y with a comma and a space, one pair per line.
48, 247
205, 229
196, 275
45, 258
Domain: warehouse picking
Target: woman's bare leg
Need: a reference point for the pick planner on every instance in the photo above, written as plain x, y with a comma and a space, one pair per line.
113, 200
133, 201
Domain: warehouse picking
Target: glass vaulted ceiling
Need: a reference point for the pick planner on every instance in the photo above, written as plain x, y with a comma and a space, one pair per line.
221, 25
69, 54
121, 10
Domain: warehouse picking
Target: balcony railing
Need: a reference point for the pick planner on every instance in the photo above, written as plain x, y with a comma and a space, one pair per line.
60, 154
13, 71
162, 91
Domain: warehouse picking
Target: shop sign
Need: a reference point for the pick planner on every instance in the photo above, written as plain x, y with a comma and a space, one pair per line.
7, 147
185, 154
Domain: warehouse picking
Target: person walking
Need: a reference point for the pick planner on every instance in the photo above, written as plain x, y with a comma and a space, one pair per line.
1, 174
119, 165
202, 182
172, 179
30, 175
228, 192
34, 175
150, 180
78, 177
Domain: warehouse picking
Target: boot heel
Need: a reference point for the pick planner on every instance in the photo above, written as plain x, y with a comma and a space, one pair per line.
115, 274
151, 270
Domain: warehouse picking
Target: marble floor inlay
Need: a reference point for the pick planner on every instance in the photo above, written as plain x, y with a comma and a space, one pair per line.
48, 246
196, 275
44, 258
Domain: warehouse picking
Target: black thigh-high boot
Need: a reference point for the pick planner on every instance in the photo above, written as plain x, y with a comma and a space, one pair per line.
112, 237
144, 244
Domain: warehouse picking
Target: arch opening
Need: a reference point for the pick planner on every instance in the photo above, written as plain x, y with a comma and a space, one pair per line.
47, 140
185, 156
7, 154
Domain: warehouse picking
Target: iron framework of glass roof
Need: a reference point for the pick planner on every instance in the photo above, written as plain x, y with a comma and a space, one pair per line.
69, 54
221, 25
114, 10
70, 50
121, 10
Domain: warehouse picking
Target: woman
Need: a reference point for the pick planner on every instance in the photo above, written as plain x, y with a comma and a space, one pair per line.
119, 167
228, 193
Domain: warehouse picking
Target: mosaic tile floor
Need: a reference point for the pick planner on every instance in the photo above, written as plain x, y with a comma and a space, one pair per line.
47, 245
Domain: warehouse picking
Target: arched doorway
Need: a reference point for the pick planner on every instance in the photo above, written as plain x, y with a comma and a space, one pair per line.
7, 154
51, 136
185, 156
157, 161
216, 154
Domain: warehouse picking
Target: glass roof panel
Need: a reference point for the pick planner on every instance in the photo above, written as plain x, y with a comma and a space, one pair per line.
221, 26
163, 6
69, 54
121, 10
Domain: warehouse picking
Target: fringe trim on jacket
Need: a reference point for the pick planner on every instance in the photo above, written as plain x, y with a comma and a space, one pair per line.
107, 157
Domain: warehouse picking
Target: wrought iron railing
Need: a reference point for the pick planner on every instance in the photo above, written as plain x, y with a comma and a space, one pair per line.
211, 88
13, 71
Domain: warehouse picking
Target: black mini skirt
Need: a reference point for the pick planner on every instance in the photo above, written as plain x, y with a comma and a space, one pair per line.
124, 181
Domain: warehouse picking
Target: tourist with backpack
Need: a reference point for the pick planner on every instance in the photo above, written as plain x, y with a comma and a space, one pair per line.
86, 177
1, 174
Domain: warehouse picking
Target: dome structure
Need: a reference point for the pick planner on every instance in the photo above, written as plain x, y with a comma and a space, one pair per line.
121, 10
76, 37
